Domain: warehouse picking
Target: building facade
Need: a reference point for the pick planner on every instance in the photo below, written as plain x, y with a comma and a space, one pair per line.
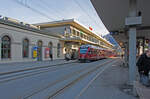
74, 34
23, 43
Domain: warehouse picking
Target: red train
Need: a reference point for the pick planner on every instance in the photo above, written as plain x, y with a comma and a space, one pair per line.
90, 52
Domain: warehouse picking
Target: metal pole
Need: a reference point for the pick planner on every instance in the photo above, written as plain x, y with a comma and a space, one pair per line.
138, 47
126, 54
143, 45
132, 43
0, 49
149, 45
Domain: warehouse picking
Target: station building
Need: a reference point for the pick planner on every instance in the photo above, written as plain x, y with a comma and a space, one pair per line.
22, 42
74, 34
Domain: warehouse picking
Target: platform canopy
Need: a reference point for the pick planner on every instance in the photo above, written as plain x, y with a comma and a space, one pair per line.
114, 12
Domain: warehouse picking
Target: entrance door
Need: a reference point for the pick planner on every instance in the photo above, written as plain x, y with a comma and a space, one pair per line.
50, 45
39, 51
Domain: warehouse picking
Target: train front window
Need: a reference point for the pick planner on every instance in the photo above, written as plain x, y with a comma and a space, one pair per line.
83, 51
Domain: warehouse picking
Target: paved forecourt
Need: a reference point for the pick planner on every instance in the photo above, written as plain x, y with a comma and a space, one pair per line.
109, 84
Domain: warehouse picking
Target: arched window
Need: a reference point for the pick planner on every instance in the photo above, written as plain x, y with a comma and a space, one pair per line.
25, 48
6, 47
58, 50
40, 43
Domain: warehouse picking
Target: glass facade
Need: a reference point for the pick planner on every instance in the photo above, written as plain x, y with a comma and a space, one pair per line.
77, 33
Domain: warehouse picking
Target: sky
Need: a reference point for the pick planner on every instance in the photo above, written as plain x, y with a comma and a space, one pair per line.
37, 11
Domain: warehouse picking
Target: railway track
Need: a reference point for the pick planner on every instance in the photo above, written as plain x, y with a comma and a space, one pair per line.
29, 72
53, 89
88, 72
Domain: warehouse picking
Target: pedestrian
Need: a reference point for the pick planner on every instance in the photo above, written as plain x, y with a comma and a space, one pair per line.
122, 56
72, 55
143, 64
67, 56
51, 56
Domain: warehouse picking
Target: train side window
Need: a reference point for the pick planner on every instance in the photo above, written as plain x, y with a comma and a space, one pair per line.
95, 51
89, 52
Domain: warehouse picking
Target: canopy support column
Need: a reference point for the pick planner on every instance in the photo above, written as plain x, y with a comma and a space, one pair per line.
132, 43
132, 54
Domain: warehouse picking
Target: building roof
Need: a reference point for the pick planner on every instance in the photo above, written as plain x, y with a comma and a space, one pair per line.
73, 23
25, 26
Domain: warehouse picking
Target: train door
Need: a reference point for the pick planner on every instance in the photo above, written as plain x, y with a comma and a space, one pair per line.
39, 51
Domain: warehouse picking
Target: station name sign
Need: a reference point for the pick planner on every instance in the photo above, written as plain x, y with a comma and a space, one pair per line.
131, 21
